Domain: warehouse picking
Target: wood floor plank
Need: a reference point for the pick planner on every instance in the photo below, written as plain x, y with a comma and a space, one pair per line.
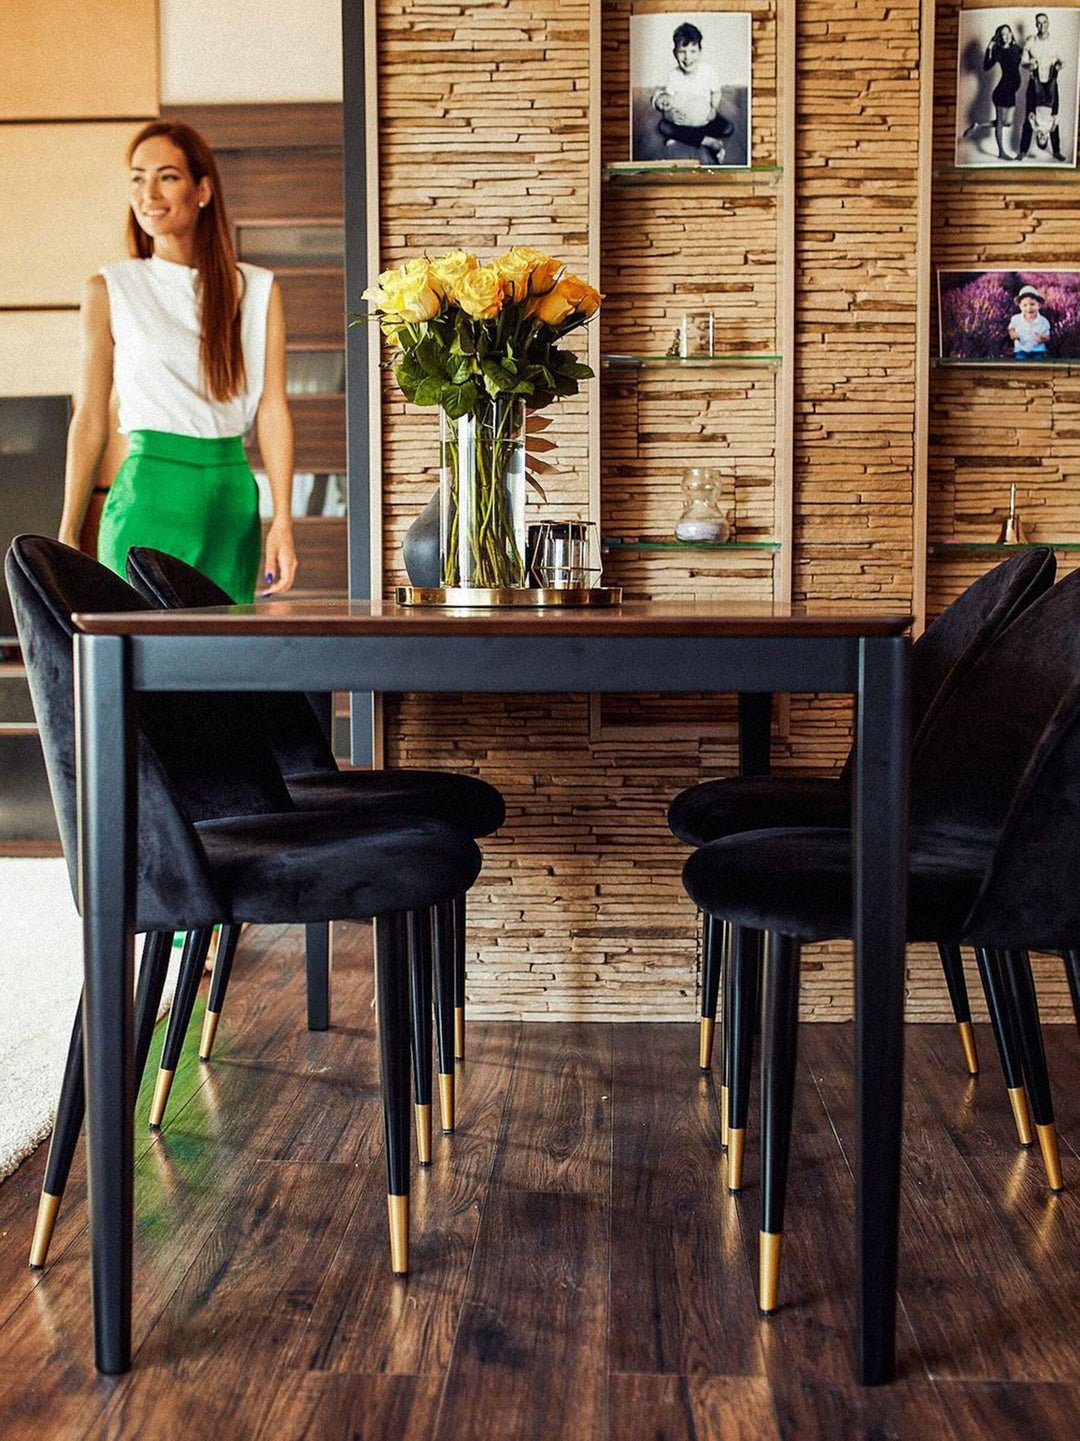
216, 1350
317, 1407
692, 1408
1037, 1411
530, 1356
558, 1116
951, 1232
363, 1319
684, 1305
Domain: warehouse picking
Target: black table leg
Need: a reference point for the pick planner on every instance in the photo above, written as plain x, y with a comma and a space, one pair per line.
880, 834
317, 943
107, 796
755, 733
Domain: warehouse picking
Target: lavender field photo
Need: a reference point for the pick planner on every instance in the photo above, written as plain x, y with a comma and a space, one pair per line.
1021, 315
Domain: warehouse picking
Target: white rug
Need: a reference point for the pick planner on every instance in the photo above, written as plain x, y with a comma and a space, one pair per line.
40, 980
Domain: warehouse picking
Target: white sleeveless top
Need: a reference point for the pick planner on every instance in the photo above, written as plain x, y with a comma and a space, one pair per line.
154, 314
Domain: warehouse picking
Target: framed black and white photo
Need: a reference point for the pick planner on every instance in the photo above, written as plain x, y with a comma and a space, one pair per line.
1009, 315
1016, 87
690, 88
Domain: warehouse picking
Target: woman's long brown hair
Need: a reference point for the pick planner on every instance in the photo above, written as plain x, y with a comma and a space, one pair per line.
221, 353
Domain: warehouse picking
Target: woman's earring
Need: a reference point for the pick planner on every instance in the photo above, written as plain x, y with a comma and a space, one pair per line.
202, 204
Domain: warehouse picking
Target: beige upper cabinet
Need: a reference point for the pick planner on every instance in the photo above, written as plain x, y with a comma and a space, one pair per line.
79, 59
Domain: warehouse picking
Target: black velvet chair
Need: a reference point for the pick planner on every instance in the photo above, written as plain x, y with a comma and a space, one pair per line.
995, 852
220, 840
314, 782
939, 659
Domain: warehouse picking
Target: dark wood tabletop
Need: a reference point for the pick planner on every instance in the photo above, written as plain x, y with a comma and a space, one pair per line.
634, 618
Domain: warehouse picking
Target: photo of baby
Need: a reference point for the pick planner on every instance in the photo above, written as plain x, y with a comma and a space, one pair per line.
690, 88
1025, 315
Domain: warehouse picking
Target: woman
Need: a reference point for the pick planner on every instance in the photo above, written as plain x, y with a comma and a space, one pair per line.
1004, 51
195, 346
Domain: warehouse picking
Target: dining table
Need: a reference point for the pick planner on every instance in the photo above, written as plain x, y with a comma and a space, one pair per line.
751, 649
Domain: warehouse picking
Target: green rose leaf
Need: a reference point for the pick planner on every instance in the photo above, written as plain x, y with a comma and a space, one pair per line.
429, 391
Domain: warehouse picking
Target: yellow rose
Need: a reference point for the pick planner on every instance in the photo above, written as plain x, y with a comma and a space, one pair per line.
449, 269
481, 293
529, 271
407, 293
584, 299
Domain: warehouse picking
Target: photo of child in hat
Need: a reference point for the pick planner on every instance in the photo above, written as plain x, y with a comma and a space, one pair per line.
1028, 329
1006, 316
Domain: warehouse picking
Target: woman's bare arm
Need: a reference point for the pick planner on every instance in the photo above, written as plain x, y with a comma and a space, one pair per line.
274, 429
89, 430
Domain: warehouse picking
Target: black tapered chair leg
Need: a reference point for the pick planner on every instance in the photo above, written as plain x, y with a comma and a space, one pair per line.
745, 963
192, 965
392, 993
953, 965
712, 965
1016, 969
727, 980
999, 1004
228, 939
419, 934
71, 1108
459, 913
1072, 973
317, 956
779, 1044
445, 981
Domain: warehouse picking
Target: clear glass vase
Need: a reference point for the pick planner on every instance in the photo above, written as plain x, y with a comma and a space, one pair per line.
482, 496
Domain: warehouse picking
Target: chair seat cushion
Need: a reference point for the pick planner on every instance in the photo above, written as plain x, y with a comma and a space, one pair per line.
713, 809
798, 882
471, 804
307, 866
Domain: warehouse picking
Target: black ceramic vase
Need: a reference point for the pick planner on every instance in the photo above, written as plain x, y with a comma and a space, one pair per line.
420, 548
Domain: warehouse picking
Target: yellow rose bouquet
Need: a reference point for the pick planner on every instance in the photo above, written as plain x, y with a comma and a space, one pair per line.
481, 342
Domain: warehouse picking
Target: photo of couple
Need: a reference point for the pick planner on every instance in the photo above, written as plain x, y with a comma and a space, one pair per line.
1016, 87
690, 88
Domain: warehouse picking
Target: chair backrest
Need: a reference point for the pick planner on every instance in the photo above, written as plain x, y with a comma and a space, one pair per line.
980, 740
1030, 895
195, 761
288, 718
950, 645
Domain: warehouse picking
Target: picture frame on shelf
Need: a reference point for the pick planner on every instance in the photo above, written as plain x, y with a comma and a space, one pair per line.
690, 88
1009, 315
696, 334
1017, 74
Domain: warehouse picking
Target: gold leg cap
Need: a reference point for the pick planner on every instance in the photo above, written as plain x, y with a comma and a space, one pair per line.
423, 1134
967, 1040
1048, 1145
48, 1206
398, 1207
735, 1142
708, 1025
769, 1244
446, 1099
459, 1033
1018, 1101
209, 1031
162, 1087
724, 1132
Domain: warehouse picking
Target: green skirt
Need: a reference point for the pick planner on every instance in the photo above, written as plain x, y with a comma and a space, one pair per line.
192, 498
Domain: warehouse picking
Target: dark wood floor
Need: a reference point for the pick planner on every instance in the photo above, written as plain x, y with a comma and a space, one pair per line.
579, 1268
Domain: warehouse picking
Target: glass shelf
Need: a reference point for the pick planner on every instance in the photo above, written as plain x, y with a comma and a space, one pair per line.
634, 172
945, 547
614, 542
955, 363
616, 360
991, 175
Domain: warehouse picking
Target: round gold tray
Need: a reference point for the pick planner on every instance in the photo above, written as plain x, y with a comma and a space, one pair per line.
466, 596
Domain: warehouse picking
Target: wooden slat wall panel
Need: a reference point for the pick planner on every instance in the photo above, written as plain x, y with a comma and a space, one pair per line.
579, 911
319, 423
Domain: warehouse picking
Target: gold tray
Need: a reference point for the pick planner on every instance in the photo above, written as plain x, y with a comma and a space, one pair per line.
461, 595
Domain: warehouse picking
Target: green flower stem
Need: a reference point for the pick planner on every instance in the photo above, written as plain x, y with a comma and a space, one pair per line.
494, 554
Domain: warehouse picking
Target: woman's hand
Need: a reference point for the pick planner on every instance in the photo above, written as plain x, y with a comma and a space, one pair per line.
68, 537
279, 557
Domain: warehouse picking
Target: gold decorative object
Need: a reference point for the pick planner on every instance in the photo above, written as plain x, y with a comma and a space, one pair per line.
1012, 530
465, 596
